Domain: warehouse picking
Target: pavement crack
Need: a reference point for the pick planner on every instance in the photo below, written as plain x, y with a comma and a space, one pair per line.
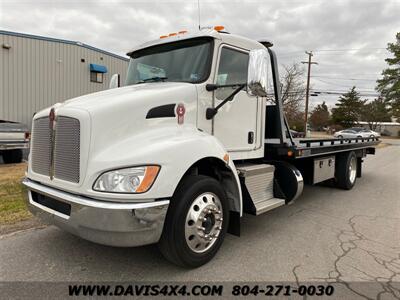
295, 274
349, 240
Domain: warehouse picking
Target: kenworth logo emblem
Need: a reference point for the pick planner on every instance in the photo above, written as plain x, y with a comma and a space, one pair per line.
180, 111
52, 125
52, 118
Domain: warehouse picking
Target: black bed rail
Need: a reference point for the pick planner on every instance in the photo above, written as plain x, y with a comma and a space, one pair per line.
336, 141
319, 147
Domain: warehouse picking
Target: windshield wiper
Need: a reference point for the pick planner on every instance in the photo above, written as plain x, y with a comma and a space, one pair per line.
155, 79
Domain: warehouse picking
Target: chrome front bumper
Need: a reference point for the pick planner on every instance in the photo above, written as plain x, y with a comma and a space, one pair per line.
108, 223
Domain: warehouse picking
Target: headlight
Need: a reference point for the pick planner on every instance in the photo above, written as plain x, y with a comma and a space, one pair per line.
128, 180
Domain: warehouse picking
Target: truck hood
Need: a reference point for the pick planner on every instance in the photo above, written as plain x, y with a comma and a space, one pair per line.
155, 93
116, 117
122, 113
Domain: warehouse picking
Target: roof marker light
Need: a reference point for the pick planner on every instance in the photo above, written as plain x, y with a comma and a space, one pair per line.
182, 32
172, 34
163, 36
219, 28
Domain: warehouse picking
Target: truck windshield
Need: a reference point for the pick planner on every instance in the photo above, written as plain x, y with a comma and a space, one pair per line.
183, 61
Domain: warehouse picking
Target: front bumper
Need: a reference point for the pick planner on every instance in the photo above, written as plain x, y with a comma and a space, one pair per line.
108, 223
11, 145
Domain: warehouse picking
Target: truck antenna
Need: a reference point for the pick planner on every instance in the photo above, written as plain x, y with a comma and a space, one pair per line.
198, 11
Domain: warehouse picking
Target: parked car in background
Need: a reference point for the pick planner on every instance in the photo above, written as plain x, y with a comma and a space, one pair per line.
354, 133
297, 134
14, 137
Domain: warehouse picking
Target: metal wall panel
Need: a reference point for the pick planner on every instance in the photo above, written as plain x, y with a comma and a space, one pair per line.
36, 73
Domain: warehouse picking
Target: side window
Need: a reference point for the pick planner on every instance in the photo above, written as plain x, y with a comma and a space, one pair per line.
96, 77
232, 69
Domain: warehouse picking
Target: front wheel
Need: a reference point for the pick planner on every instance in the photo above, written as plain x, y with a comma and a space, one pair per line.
196, 222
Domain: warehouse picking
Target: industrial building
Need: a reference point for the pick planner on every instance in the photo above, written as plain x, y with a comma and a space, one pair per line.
37, 72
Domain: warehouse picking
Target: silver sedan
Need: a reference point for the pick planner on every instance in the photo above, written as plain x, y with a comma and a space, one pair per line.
350, 134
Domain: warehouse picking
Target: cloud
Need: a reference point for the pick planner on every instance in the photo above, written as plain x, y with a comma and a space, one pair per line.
294, 26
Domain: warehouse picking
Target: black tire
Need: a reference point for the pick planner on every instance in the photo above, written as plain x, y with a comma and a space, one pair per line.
340, 136
343, 177
173, 243
12, 156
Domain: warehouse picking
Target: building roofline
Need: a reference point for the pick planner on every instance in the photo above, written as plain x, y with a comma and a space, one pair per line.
49, 39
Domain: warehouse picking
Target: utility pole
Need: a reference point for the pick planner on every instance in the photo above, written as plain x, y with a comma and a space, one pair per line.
309, 62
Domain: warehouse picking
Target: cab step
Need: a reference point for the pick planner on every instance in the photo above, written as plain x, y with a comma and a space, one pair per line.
258, 188
266, 205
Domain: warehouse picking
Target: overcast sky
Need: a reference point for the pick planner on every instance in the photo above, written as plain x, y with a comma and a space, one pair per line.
294, 26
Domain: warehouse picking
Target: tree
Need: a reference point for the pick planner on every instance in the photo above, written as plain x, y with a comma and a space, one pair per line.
293, 95
348, 108
374, 112
320, 116
389, 85
293, 91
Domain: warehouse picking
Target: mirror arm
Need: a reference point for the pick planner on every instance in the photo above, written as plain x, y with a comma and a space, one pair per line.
211, 112
212, 87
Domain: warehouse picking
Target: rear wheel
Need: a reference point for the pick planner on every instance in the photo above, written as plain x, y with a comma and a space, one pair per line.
340, 136
346, 170
12, 156
196, 222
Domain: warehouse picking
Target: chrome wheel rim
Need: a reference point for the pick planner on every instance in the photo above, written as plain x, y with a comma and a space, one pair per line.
353, 169
203, 222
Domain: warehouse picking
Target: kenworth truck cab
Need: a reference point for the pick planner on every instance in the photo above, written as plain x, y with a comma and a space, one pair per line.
196, 138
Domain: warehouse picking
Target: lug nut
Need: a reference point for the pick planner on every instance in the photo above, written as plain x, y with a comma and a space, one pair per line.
201, 228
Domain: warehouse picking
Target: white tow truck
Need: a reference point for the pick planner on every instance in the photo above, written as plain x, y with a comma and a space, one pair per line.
196, 138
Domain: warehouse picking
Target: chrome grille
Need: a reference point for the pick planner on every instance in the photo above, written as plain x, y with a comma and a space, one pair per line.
41, 146
67, 149
66, 152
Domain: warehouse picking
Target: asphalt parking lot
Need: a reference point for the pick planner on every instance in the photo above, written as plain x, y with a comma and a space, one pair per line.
328, 235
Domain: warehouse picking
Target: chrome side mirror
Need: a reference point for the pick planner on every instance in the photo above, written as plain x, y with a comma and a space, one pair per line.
257, 76
115, 81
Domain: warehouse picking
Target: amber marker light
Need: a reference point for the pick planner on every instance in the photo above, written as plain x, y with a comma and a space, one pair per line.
148, 179
219, 28
226, 158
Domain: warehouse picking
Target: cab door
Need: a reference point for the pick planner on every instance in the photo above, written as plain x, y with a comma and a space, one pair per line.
235, 125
